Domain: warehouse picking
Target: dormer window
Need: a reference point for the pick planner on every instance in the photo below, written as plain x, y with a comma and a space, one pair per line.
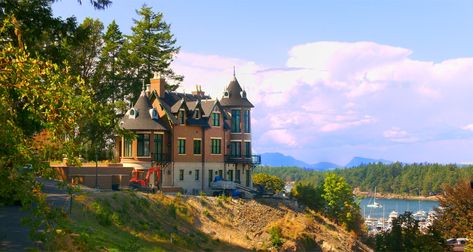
197, 114
153, 113
181, 117
132, 113
226, 94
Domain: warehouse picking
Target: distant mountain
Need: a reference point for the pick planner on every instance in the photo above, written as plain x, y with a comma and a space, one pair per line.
357, 161
278, 159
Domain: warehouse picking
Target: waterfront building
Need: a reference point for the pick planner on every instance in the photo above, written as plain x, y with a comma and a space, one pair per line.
191, 137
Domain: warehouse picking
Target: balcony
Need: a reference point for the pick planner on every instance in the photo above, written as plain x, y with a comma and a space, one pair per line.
239, 159
161, 158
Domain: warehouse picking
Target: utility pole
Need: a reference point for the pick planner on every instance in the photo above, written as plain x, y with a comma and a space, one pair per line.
96, 169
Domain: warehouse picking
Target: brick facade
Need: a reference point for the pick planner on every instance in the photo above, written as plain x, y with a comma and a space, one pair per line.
195, 142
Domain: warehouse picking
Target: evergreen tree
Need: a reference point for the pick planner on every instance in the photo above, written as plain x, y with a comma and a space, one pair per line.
84, 52
152, 47
110, 80
406, 236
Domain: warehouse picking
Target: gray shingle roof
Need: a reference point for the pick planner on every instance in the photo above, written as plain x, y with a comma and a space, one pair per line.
234, 98
143, 119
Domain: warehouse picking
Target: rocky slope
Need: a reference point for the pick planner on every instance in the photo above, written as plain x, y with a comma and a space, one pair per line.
134, 221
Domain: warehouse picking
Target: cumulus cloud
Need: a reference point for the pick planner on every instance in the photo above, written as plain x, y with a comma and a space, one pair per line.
279, 136
342, 92
468, 127
395, 134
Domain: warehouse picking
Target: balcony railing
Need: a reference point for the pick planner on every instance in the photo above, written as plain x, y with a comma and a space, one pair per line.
241, 159
161, 157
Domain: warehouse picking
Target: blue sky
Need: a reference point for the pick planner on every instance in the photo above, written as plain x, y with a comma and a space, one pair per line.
335, 79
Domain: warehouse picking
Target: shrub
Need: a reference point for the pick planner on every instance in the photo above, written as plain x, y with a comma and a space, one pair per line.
269, 182
172, 210
276, 236
102, 213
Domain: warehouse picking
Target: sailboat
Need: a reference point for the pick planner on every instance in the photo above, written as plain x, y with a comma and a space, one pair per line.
374, 204
420, 214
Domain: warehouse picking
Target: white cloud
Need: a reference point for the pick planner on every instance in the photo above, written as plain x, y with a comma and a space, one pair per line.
342, 92
279, 136
395, 134
468, 127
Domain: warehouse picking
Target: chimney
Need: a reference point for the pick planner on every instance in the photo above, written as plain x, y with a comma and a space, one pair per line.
198, 91
159, 84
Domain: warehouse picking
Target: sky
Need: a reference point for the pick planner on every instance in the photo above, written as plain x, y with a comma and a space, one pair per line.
330, 80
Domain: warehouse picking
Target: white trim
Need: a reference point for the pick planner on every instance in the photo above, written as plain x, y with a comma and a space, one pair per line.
247, 141
235, 133
216, 138
236, 140
196, 138
181, 138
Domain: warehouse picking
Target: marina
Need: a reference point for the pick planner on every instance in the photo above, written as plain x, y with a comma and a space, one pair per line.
379, 213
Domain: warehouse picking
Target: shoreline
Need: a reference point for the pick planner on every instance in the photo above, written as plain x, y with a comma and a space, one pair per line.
396, 196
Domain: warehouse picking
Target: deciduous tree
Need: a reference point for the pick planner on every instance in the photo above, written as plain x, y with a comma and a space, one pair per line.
340, 202
269, 182
455, 214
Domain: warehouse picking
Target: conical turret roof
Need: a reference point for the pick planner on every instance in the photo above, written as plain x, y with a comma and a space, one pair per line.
142, 116
233, 96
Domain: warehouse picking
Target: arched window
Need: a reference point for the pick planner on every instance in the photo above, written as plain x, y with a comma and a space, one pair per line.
133, 113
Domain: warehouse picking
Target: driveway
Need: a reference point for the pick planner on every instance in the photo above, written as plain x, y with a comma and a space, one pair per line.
13, 235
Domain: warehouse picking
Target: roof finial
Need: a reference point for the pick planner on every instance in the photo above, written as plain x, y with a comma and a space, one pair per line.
234, 75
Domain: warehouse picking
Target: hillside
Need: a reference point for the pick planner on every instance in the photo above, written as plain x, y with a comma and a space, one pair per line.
358, 161
126, 221
278, 159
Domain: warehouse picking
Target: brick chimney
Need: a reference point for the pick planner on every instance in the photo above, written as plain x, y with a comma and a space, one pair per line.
198, 91
159, 84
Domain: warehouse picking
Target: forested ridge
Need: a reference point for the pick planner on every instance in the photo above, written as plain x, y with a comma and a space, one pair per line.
395, 178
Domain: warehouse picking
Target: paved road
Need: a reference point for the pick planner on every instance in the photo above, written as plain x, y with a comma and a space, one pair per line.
13, 235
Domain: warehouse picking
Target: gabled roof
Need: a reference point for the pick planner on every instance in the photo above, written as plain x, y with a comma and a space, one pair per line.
164, 105
209, 106
178, 105
233, 96
142, 119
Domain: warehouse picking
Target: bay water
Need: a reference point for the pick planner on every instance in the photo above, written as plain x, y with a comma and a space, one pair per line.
400, 205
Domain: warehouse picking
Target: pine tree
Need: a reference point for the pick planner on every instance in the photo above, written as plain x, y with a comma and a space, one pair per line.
85, 49
111, 73
152, 47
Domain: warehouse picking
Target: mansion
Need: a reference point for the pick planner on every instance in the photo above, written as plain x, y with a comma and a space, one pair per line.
191, 137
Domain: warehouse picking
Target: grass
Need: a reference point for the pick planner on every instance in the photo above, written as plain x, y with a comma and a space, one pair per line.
128, 221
